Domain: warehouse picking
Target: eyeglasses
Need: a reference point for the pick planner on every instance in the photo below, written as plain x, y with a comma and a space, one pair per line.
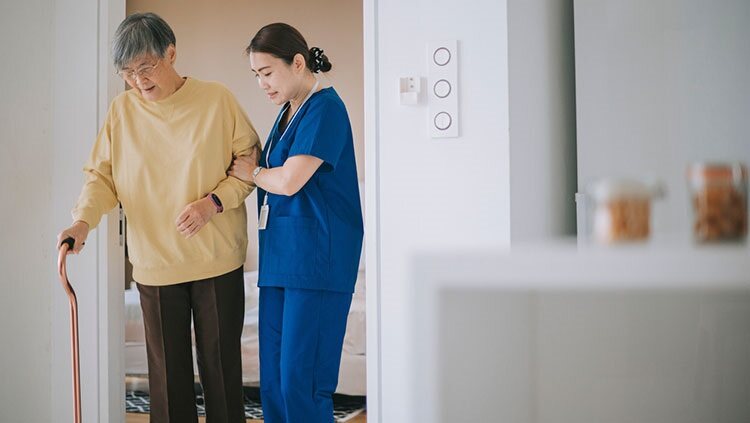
142, 72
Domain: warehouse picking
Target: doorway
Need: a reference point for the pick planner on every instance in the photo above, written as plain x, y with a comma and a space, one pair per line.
210, 46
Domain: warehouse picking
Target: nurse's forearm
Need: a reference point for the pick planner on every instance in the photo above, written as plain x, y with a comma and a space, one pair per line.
272, 180
291, 177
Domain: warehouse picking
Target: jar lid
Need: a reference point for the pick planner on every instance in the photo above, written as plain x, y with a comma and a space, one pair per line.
724, 172
610, 189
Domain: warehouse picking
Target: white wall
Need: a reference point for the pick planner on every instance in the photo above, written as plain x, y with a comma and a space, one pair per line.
48, 121
660, 84
435, 193
27, 251
542, 119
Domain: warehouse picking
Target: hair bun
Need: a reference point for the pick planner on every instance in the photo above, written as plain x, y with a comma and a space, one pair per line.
319, 61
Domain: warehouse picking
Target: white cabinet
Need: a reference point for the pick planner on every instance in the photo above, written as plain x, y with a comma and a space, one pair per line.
553, 333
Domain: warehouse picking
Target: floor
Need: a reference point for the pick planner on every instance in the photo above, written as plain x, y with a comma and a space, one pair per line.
143, 418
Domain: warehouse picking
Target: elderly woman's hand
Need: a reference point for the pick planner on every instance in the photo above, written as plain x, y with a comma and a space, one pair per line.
195, 216
243, 166
79, 231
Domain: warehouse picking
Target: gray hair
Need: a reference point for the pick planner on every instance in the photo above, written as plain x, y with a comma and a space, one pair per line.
138, 34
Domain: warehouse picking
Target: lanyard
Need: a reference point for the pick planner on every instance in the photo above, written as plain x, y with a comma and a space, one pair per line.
288, 125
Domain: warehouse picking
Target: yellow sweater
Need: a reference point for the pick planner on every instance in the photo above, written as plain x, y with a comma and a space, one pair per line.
156, 157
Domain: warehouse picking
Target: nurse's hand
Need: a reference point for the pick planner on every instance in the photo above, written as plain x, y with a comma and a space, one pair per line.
243, 166
195, 216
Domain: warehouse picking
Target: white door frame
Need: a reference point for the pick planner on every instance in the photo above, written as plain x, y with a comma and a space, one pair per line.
110, 274
372, 209
110, 250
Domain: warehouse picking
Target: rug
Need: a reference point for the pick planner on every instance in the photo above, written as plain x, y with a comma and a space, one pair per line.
345, 407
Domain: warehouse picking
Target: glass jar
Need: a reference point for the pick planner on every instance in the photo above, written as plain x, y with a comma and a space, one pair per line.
621, 211
719, 195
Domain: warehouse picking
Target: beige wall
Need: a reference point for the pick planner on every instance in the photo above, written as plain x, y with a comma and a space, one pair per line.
212, 36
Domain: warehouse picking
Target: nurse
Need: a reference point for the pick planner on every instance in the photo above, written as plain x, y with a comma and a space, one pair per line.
310, 228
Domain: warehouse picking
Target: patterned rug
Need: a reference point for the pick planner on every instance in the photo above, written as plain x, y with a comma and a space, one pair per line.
345, 407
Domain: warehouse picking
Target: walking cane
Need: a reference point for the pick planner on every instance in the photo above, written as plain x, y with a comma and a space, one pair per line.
64, 247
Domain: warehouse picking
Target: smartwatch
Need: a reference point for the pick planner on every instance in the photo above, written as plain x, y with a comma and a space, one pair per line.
217, 202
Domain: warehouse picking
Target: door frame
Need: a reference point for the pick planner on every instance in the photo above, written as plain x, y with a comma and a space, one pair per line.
110, 262
372, 210
110, 272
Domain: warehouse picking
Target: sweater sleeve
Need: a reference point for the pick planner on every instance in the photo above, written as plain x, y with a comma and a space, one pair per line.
230, 190
98, 195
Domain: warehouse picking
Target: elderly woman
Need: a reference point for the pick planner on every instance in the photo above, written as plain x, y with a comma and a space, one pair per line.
163, 153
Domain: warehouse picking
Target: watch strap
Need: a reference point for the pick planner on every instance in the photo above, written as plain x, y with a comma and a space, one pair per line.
217, 202
256, 171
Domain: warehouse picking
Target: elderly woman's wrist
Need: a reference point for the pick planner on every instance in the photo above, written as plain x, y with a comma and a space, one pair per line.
82, 222
215, 202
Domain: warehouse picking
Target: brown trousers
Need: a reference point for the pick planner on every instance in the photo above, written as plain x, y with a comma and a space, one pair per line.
217, 306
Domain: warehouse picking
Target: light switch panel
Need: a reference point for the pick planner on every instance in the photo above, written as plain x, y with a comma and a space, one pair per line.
442, 58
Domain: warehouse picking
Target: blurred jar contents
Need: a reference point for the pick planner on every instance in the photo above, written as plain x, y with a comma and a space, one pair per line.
719, 196
622, 211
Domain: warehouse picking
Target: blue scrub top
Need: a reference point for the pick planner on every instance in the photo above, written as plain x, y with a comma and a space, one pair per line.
313, 239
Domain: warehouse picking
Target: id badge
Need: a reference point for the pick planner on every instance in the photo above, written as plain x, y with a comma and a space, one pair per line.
263, 217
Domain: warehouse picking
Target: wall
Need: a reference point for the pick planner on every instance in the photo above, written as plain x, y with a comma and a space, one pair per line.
661, 84
26, 255
434, 194
48, 121
542, 119
211, 40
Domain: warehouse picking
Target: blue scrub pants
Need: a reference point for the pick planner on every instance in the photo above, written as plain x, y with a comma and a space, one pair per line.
301, 333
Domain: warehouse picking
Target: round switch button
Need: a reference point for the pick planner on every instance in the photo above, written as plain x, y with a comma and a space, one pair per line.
441, 56
442, 88
443, 121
